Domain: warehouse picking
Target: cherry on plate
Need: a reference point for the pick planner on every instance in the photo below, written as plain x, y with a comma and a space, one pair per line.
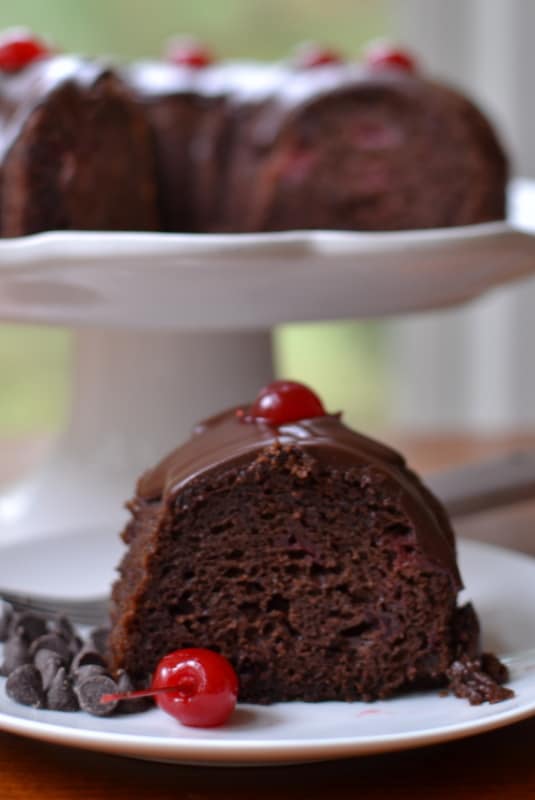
196, 686
204, 687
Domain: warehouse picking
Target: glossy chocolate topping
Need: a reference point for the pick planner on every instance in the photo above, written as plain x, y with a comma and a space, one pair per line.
226, 442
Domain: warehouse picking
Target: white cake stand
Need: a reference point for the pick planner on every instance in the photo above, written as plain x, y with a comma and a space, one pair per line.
170, 328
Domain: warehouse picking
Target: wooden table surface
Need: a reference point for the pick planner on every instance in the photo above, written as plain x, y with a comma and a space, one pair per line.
500, 764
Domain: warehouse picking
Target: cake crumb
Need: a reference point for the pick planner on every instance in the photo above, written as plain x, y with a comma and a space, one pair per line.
479, 680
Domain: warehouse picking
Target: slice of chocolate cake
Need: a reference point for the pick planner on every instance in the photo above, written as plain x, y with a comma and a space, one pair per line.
75, 151
307, 554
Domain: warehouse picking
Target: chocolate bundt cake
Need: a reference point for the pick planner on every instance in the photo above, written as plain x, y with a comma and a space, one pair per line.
307, 554
240, 147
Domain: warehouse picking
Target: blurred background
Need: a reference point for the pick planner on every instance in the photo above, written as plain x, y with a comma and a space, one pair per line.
456, 370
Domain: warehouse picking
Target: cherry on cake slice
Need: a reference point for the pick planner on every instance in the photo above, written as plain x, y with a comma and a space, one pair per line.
305, 553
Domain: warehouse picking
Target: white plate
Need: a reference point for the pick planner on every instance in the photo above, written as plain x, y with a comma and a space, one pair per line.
200, 282
501, 583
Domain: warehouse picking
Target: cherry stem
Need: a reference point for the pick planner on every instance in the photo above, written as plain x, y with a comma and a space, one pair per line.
186, 687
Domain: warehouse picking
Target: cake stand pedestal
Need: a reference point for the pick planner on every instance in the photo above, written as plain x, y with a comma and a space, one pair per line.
171, 328
134, 396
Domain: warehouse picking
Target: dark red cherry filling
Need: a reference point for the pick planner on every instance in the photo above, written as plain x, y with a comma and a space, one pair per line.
384, 56
285, 401
18, 48
309, 56
189, 53
196, 686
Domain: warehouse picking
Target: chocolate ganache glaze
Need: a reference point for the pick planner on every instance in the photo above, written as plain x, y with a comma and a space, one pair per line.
230, 440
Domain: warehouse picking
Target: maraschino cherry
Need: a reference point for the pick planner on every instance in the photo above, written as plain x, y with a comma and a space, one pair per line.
381, 55
189, 53
196, 686
309, 56
18, 48
285, 401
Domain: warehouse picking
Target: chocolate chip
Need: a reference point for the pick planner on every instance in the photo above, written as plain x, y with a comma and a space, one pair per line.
60, 696
24, 686
44, 655
86, 656
48, 662
124, 682
15, 653
98, 639
32, 625
63, 627
88, 671
66, 673
51, 641
131, 706
13, 622
6, 615
89, 692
